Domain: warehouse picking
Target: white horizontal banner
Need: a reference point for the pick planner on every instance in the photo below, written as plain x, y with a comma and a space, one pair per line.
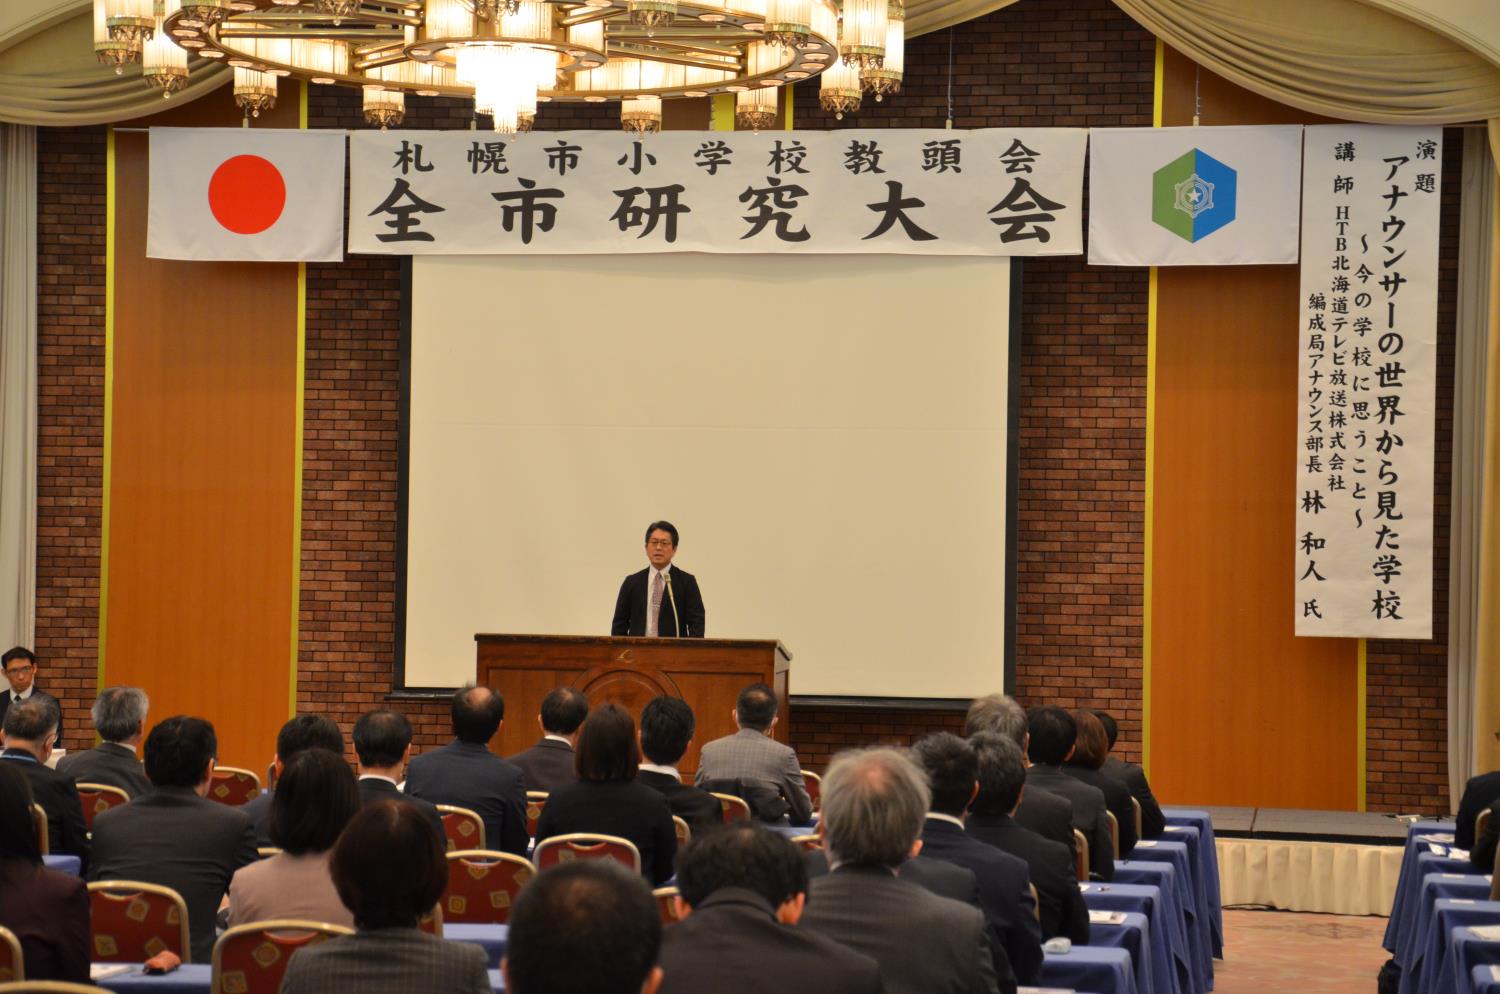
990, 192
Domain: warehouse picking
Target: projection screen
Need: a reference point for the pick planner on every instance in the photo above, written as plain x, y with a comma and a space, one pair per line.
829, 435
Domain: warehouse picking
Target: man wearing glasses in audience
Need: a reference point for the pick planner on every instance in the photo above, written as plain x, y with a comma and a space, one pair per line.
20, 670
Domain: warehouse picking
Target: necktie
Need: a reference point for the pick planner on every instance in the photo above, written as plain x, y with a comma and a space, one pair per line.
653, 610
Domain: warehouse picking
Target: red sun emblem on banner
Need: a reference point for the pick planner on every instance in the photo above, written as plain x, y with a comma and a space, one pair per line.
247, 194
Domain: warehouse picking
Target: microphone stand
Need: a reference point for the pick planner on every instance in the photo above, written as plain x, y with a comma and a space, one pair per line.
676, 622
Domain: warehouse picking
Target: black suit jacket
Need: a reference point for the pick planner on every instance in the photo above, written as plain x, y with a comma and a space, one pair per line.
469, 775
698, 808
1088, 813
38, 693
1116, 801
623, 808
956, 883
174, 838
1479, 793
547, 765
924, 944
108, 763
49, 912
1050, 867
1004, 893
58, 796
372, 789
258, 810
1482, 854
1153, 822
725, 945
1049, 816
631, 605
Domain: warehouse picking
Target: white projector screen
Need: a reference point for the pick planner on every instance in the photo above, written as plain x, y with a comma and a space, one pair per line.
828, 435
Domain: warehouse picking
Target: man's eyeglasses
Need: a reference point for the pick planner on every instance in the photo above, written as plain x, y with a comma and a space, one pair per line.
26, 668
662, 543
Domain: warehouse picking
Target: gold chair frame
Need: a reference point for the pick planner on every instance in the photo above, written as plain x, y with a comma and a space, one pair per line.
584, 840
39, 820
728, 803
454, 809
1080, 855
18, 958
1114, 831
216, 985
124, 888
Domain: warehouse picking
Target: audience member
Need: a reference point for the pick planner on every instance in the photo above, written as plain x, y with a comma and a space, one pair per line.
589, 927
120, 719
465, 773
607, 800
667, 725
1482, 855
1048, 815
30, 730
1479, 793
20, 666
382, 744
753, 757
315, 797
389, 869
303, 731
1086, 763
174, 836
1004, 884
742, 887
943, 879
874, 803
1002, 786
1053, 736
548, 765
1153, 822
47, 910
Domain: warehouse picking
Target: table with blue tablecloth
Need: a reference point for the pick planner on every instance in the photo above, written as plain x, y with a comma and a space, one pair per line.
1407, 882
1437, 971
1133, 935
1166, 878
1148, 858
1092, 968
1468, 953
63, 864
491, 938
1171, 971
1413, 909
1206, 858
1435, 887
190, 978
1484, 979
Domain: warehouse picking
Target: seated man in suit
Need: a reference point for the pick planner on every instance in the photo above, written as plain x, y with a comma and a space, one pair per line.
1153, 822
1002, 784
1053, 738
1004, 884
662, 599
1482, 856
1479, 793
30, 729
742, 888
1048, 815
465, 773
589, 925
666, 729
548, 765
298, 734
20, 668
874, 803
120, 720
174, 836
752, 756
382, 746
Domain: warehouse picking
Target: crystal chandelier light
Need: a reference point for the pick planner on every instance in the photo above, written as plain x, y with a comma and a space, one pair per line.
254, 91
163, 62
862, 33
788, 22
111, 51
130, 21
886, 78
384, 108
839, 89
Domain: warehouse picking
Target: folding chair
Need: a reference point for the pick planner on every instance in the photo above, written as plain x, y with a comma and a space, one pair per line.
463, 828
733, 808
97, 797
133, 921
483, 885
233, 786
585, 845
535, 801
252, 958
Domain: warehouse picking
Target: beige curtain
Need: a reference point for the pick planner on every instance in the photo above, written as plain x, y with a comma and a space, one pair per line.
1487, 662
923, 16
17, 384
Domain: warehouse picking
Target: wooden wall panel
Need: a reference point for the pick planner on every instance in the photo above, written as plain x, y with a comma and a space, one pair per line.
1242, 711
200, 502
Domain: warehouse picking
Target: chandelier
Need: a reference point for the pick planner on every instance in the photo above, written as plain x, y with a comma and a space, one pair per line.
509, 55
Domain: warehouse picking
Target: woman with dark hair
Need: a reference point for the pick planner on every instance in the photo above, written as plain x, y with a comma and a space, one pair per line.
1089, 753
315, 798
48, 910
390, 869
607, 800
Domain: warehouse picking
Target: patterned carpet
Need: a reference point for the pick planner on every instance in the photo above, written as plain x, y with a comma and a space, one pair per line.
1266, 951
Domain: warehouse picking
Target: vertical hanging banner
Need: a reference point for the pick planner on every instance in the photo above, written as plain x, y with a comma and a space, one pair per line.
997, 191
1367, 370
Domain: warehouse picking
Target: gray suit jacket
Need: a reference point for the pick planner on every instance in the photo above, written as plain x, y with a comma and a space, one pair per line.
388, 961
924, 944
1088, 813
750, 755
109, 763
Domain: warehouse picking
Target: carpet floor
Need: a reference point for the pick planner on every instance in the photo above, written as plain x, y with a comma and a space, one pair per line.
1266, 951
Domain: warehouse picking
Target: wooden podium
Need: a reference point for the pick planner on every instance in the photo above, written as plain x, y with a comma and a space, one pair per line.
707, 673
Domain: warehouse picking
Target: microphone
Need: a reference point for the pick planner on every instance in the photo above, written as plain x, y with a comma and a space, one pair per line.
676, 623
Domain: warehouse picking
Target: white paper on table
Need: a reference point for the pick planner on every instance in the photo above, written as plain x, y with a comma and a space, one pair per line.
1487, 932
1446, 837
99, 971
1106, 917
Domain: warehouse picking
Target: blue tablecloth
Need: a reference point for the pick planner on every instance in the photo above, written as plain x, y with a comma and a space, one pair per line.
1470, 954
1089, 968
491, 938
1484, 980
1161, 852
1174, 974
1167, 877
1134, 936
1414, 910
63, 864
1449, 914
1434, 888
1407, 883
190, 978
1206, 857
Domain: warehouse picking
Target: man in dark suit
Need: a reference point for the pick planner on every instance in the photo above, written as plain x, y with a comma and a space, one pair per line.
299, 733
1048, 815
382, 746
1004, 882
667, 725
174, 836
465, 773
1153, 822
548, 765
30, 729
1479, 793
661, 600
742, 888
1053, 738
1002, 783
874, 803
120, 719
20, 668
933, 875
